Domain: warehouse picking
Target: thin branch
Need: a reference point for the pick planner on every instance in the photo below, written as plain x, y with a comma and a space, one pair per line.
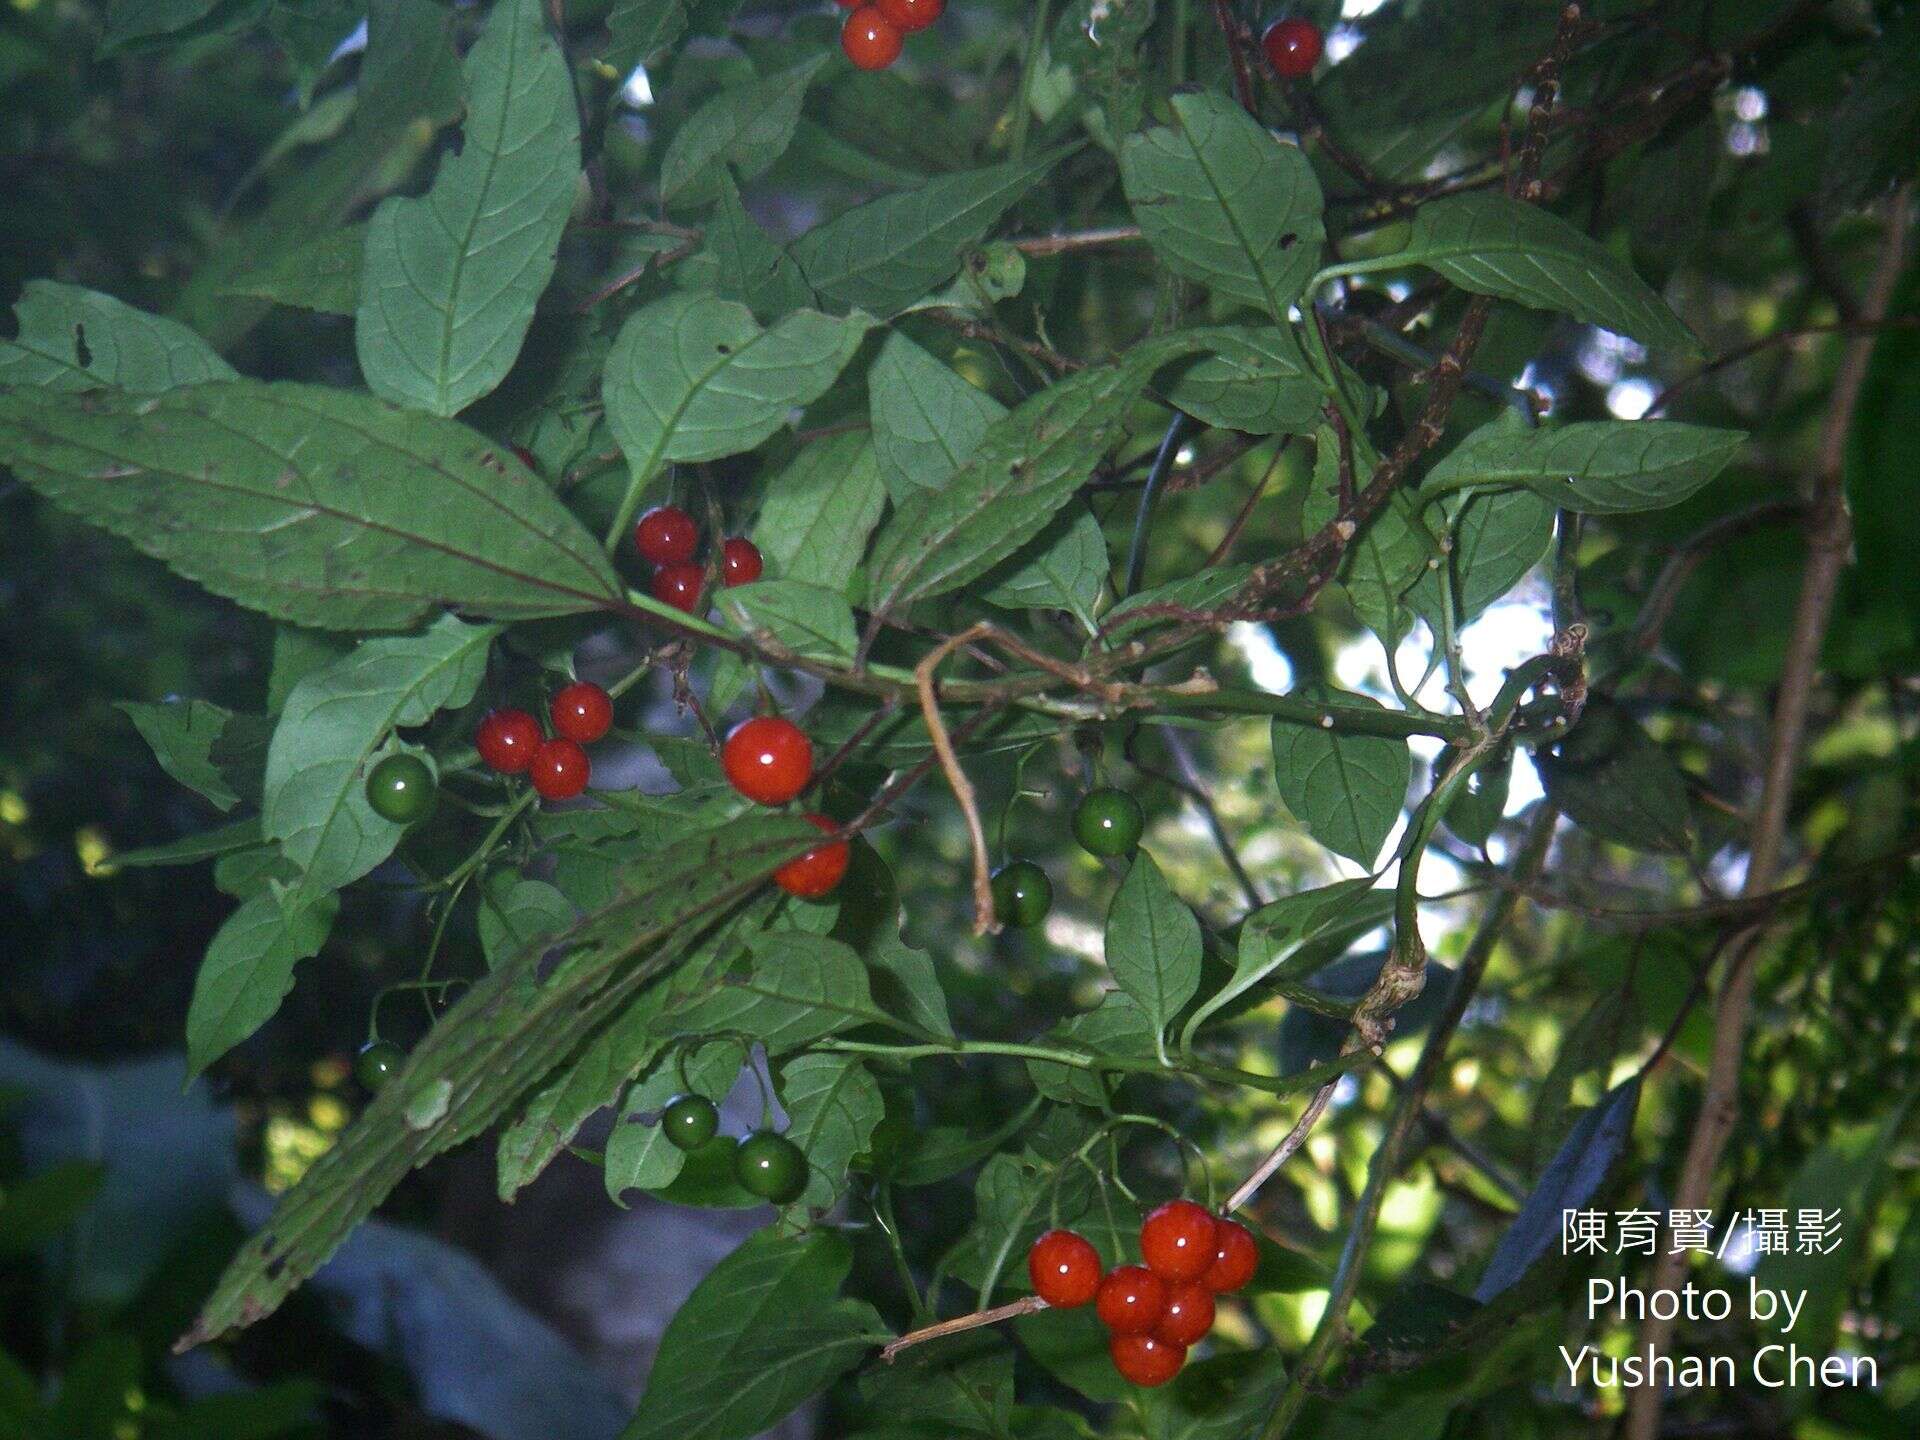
1829, 539
1282, 1152
1013, 1310
1077, 240
984, 922
1235, 34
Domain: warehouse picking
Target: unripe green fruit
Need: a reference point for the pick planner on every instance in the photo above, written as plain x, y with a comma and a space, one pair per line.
400, 789
377, 1062
689, 1121
1108, 822
770, 1166
1022, 894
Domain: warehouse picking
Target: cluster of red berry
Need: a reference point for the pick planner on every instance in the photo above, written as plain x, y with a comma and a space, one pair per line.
667, 538
876, 30
510, 740
770, 761
1152, 1312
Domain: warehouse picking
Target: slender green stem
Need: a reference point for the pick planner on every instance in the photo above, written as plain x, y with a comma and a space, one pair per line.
1029, 69
487, 846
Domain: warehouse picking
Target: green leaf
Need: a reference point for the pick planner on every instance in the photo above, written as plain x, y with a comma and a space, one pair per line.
1203, 591
961, 1387
1153, 944
313, 504
131, 20
1224, 203
1024, 471
506, 1033
1599, 467
832, 1102
1064, 567
1609, 777
1498, 537
904, 978
745, 126
800, 618
1224, 1397
692, 377
641, 28
886, 254
1280, 941
818, 512
514, 912
796, 989
451, 278
763, 1332
192, 849
182, 734
1346, 790
335, 720
248, 968
1253, 379
322, 275
73, 339
1117, 1026
749, 267
1494, 245
927, 421
1386, 560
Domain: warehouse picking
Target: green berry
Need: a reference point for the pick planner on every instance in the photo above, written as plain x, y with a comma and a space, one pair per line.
690, 1121
1108, 822
400, 789
1022, 894
377, 1062
770, 1166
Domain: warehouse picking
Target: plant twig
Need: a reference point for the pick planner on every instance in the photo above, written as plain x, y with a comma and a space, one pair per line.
1282, 1152
984, 922
1012, 1310
1829, 539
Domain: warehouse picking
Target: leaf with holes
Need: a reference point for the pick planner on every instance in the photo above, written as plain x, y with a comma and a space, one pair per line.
313, 504
68, 338
451, 278
1224, 203
1345, 789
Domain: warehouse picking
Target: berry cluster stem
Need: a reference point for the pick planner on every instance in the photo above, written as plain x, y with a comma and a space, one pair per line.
1012, 1310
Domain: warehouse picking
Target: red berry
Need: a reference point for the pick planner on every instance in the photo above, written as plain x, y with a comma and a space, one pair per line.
1188, 1316
740, 562
666, 535
1293, 47
525, 457
1131, 1300
767, 759
911, 15
680, 586
582, 712
507, 739
871, 41
1177, 1241
1064, 1268
560, 770
1145, 1359
817, 872
1235, 1257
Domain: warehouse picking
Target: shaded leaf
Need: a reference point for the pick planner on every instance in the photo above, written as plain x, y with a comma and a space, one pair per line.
818, 512
248, 968
795, 989
1346, 790
1609, 777
1225, 203
832, 1103
800, 618
323, 274
1253, 379
641, 28
744, 126
1153, 943
451, 278
1279, 941
1600, 467
927, 420
1064, 567
74, 339
748, 266
182, 735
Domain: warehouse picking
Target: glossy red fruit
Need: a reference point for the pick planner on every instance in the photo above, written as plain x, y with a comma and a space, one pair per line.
1235, 1258
582, 712
871, 41
819, 871
1177, 1241
1293, 47
560, 769
740, 562
1146, 1359
910, 15
767, 759
1064, 1268
680, 586
666, 535
1131, 1300
1188, 1316
507, 739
